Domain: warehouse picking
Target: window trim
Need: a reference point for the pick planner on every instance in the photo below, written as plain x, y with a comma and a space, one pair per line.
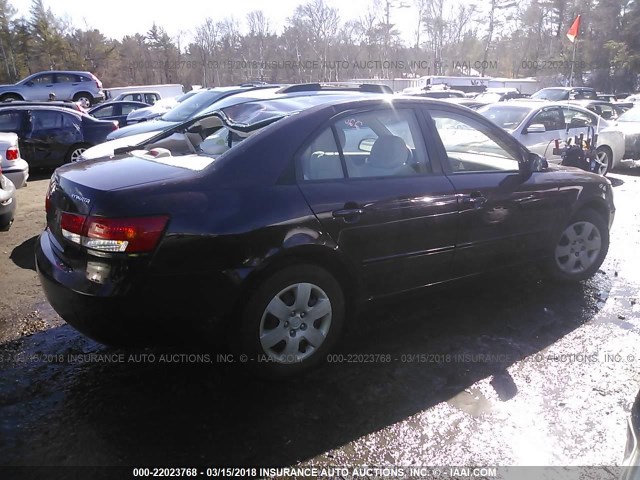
330, 123
442, 151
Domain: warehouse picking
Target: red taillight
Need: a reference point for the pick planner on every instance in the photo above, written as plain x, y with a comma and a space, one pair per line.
116, 125
13, 153
128, 235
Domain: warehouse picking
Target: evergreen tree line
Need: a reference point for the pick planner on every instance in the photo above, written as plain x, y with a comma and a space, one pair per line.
505, 38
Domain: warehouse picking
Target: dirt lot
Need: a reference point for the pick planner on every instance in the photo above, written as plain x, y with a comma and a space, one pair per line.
506, 370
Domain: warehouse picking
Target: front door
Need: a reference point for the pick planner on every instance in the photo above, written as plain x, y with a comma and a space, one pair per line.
505, 217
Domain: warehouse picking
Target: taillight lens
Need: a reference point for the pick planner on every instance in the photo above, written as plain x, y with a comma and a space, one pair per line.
12, 153
121, 235
116, 125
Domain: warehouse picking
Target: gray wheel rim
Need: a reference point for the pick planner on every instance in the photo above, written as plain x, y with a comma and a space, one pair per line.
84, 102
75, 155
603, 162
295, 323
578, 248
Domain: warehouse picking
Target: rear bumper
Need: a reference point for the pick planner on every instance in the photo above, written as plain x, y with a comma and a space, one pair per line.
147, 310
18, 173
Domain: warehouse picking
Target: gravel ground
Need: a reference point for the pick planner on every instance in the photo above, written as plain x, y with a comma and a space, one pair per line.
505, 370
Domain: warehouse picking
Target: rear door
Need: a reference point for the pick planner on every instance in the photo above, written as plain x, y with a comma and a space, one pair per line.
505, 217
373, 183
65, 85
49, 137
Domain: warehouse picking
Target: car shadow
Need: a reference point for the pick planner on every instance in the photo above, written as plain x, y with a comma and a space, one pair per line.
23, 255
402, 357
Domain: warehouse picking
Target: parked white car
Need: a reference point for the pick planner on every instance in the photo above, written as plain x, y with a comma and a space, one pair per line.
13, 166
159, 108
537, 125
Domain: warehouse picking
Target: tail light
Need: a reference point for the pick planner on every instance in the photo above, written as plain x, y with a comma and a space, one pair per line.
12, 153
121, 235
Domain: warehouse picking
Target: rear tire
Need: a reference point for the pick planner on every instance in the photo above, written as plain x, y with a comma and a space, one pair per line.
10, 96
84, 99
580, 248
291, 321
73, 155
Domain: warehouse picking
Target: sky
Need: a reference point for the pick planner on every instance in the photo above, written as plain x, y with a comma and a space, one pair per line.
117, 18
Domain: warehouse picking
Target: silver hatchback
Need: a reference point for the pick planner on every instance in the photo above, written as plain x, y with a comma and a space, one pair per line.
81, 87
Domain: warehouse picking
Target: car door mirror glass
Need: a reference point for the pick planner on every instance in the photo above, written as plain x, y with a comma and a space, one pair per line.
534, 163
536, 128
29, 83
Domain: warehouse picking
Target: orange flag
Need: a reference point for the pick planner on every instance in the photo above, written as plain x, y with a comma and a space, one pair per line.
572, 34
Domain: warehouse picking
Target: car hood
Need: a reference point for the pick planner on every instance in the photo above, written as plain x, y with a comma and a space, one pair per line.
106, 149
144, 127
628, 127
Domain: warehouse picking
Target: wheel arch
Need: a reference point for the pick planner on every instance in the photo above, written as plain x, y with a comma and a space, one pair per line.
10, 94
326, 257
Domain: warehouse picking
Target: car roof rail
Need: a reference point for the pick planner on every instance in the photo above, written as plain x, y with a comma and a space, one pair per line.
337, 86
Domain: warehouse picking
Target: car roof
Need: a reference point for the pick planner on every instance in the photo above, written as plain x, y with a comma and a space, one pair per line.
42, 107
252, 115
62, 71
118, 102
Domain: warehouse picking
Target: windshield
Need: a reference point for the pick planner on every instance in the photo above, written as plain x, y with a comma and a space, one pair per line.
507, 117
632, 115
553, 94
191, 106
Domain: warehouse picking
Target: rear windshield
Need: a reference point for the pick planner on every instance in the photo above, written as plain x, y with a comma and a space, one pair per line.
192, 106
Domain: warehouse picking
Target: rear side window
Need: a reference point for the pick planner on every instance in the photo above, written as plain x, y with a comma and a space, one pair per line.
150, 98
46, 120
10, 121
67, 78
107, 111
371, 144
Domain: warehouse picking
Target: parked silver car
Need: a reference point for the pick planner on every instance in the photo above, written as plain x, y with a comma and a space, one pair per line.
11, 163
537, 125
82, 87
7, 202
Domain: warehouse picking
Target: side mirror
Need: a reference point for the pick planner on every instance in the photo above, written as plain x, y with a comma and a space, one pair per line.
366, 144
533, 163
29, 83
535, 128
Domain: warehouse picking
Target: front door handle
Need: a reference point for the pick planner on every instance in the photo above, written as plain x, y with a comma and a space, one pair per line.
477, 199
350, 213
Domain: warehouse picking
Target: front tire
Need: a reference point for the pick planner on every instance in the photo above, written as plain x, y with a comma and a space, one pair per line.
605, 158
581, 247
292, 321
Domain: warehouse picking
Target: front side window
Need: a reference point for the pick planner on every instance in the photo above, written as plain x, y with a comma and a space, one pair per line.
472, 146
551, 118
367, 145
43, 79
127, 109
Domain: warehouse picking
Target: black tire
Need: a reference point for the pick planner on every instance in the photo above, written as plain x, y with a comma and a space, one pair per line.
85, 98
10, 96
269, 362
78, 147
608, 155
569, 267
